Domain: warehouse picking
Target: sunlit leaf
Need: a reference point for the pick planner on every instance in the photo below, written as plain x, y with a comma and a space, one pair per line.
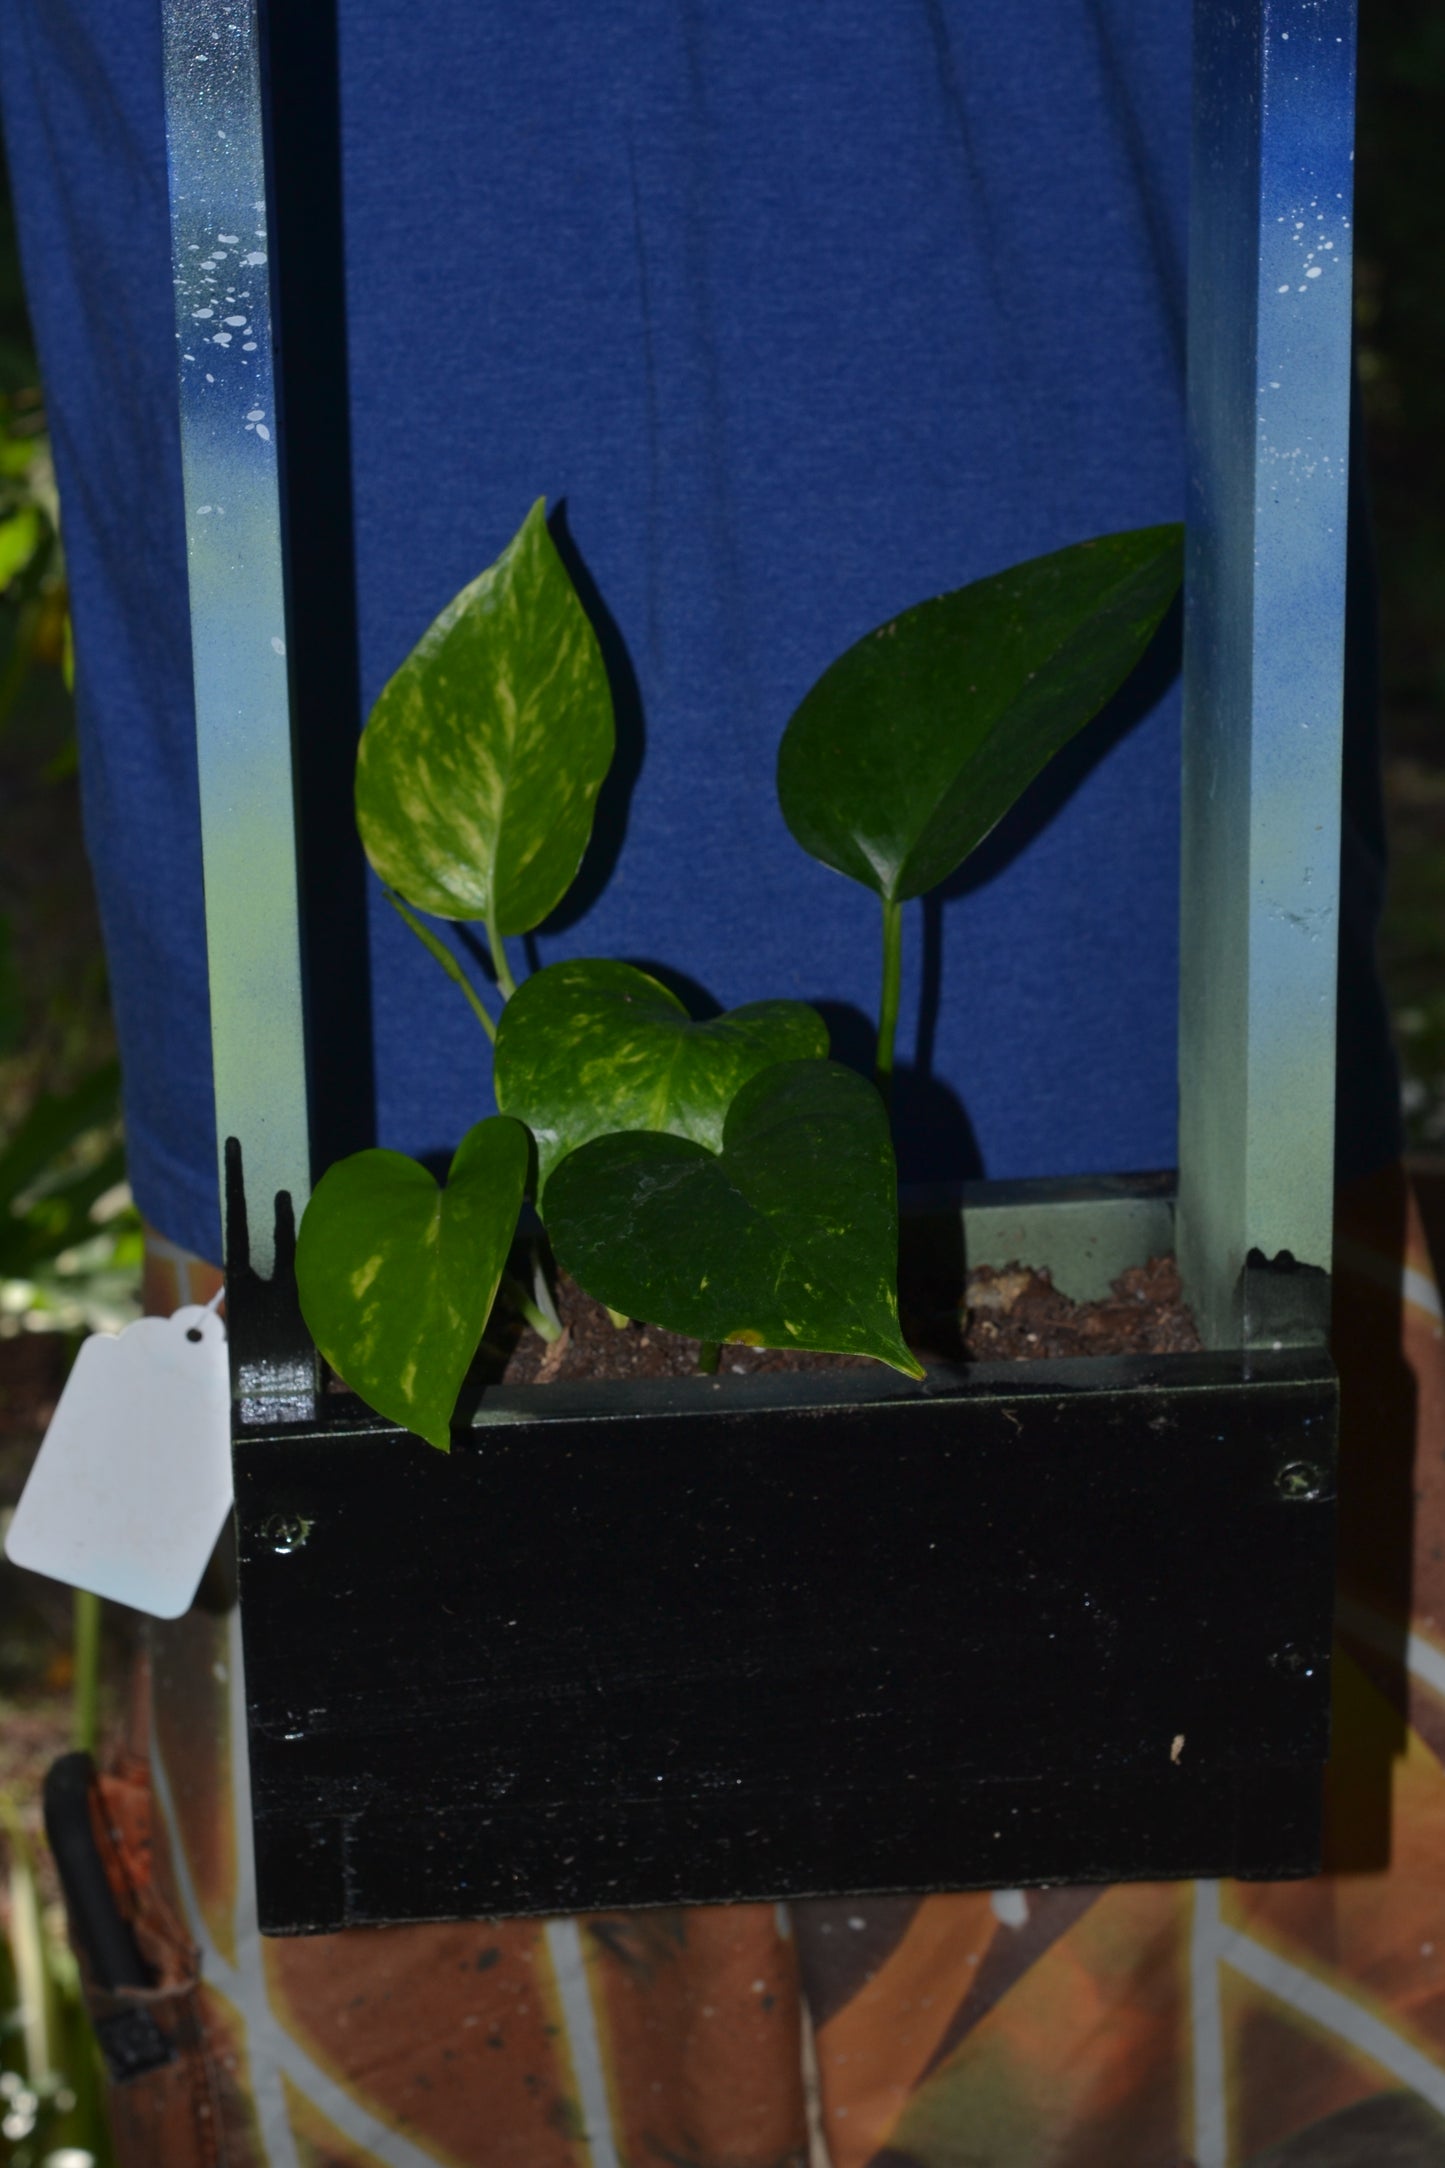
479, 769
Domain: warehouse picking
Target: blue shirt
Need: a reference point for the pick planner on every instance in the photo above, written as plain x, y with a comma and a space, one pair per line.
797, 315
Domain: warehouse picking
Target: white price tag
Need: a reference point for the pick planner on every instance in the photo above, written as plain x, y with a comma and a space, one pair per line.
133, 1479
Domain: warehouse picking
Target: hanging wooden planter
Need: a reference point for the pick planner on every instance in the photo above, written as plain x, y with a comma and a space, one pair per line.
756, 1637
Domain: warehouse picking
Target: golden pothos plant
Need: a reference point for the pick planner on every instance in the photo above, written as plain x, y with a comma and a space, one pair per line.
719, 1178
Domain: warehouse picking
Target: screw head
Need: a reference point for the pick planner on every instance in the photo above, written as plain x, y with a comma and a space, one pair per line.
1299, 1479
285, 1532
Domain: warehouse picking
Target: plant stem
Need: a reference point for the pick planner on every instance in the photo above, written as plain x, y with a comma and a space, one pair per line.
888, 1003
708, 1354
85, 1703
505, 980
537, 1318
444, 957
34, 1981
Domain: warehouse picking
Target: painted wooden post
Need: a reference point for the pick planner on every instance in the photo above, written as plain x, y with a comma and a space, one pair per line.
238, 629
1269, 380
1269, 372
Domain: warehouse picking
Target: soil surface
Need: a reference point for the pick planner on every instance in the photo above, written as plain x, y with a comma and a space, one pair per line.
1013, 1314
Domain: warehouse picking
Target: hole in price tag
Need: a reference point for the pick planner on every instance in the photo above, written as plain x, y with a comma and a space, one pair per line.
132, 1483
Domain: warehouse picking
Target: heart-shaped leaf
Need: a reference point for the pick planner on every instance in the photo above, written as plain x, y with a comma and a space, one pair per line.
919, 738
480, 766
397, 1277
787, 1237
587, 1047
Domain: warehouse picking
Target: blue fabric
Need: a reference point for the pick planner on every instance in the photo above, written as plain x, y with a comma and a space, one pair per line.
800, 314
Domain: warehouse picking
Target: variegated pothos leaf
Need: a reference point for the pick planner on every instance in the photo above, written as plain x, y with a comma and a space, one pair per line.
918, 739
785, 1237
397, 1277
590, 1046
479, 769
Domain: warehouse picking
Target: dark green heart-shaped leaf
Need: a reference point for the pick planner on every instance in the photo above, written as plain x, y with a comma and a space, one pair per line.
397, 1277
787, 1237
479, 769
587, 1047
917, 740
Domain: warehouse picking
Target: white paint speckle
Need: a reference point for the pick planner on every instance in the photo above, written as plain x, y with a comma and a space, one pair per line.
278, 647
200, 315
1010, 1908
256, 256
235, 321
263, 431
221, 338
256, 414
1282, 289
249, 347
201, 510
230, 238
1314, 272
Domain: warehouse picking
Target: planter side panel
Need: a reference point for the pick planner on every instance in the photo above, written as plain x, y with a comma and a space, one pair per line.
973, 1634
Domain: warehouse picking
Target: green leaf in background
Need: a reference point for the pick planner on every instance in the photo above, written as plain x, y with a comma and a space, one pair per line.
34, 1154
12, 1008
397, 1277
479, 769
67, 1213
585, 1048
20, 537
919, 738
787, 1237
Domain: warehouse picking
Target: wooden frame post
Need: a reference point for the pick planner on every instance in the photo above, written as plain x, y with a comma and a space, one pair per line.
229, 460
1269, 379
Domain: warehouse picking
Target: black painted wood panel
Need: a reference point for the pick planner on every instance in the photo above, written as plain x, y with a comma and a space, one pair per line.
732, 1638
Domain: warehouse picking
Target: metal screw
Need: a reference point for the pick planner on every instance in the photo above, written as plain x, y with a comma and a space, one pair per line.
285, 1532
1299, 1479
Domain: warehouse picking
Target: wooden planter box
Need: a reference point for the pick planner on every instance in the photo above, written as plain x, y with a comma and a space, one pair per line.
743, 1638
733, 1637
